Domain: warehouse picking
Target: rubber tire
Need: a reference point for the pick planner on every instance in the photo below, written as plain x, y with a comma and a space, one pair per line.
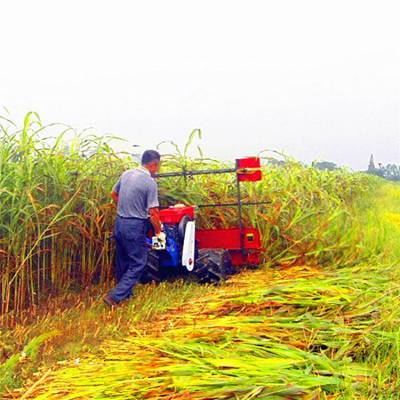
212, 266
152, 271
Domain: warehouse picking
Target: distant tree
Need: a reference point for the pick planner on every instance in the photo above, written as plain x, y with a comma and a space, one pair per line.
378, 172
275, 161
324, 165
390, 172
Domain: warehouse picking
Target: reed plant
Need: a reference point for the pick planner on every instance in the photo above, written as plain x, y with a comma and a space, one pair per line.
56, 214
319, 320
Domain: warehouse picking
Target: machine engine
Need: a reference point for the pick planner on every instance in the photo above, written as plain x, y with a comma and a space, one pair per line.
210, 255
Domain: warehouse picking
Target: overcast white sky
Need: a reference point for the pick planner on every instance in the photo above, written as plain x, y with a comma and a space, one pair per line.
317, 79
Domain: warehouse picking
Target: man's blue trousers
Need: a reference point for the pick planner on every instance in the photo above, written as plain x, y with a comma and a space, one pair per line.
131, 255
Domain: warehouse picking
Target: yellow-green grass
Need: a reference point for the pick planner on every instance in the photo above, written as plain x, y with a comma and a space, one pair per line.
80, 322
56, 215
295, 332
320, 320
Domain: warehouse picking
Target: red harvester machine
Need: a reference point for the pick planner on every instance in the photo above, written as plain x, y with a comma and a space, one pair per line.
209, 254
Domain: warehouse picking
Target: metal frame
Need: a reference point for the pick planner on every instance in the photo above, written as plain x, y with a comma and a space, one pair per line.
244, 203
240, 207
239, 202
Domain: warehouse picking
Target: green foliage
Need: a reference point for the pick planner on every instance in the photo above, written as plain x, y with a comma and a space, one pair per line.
7, 372
323, 324
56, 215
325, 165
390, 172
30, 352
294, 332
85, 323
308, 214
32, 348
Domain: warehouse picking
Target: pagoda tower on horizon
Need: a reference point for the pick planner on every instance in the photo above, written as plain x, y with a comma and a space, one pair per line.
371, 165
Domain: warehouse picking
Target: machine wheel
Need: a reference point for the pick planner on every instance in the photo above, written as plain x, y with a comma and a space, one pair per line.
152, 272
212, 265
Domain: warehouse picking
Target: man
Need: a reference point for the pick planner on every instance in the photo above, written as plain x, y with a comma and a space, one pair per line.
136, 196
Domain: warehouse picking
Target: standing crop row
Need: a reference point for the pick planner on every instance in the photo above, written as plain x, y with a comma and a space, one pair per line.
56, 215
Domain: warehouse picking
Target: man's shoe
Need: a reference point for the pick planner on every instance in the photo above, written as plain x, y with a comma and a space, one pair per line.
110, 301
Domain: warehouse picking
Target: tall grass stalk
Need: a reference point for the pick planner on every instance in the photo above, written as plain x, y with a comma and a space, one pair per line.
56, 215
55, 212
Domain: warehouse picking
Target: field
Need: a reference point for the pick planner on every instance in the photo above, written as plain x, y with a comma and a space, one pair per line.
318, 320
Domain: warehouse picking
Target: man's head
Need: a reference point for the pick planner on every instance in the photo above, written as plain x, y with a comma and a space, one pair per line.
151, 161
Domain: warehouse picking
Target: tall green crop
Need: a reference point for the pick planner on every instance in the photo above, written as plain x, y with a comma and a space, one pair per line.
55, 212
56, 215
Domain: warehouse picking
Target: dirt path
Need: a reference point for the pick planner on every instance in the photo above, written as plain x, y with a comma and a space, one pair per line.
263, 334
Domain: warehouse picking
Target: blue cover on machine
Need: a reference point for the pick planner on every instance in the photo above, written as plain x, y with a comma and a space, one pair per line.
171, 256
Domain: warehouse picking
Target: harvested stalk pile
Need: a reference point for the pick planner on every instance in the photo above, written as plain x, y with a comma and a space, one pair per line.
296, 333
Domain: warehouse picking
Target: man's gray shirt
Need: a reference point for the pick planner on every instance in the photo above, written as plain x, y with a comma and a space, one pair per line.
137, 192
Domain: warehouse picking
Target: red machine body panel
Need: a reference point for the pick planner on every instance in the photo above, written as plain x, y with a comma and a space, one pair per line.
228, 239
252, 257
173, 215
253, 167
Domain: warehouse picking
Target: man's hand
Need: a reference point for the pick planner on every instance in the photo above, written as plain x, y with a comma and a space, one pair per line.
162, 238
160, 241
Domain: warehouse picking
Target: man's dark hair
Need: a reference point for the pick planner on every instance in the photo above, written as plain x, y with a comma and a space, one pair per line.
150, 156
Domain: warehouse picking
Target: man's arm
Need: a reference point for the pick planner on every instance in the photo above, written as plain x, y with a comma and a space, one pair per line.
115, 191
153, 207
155, 219
114, 196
